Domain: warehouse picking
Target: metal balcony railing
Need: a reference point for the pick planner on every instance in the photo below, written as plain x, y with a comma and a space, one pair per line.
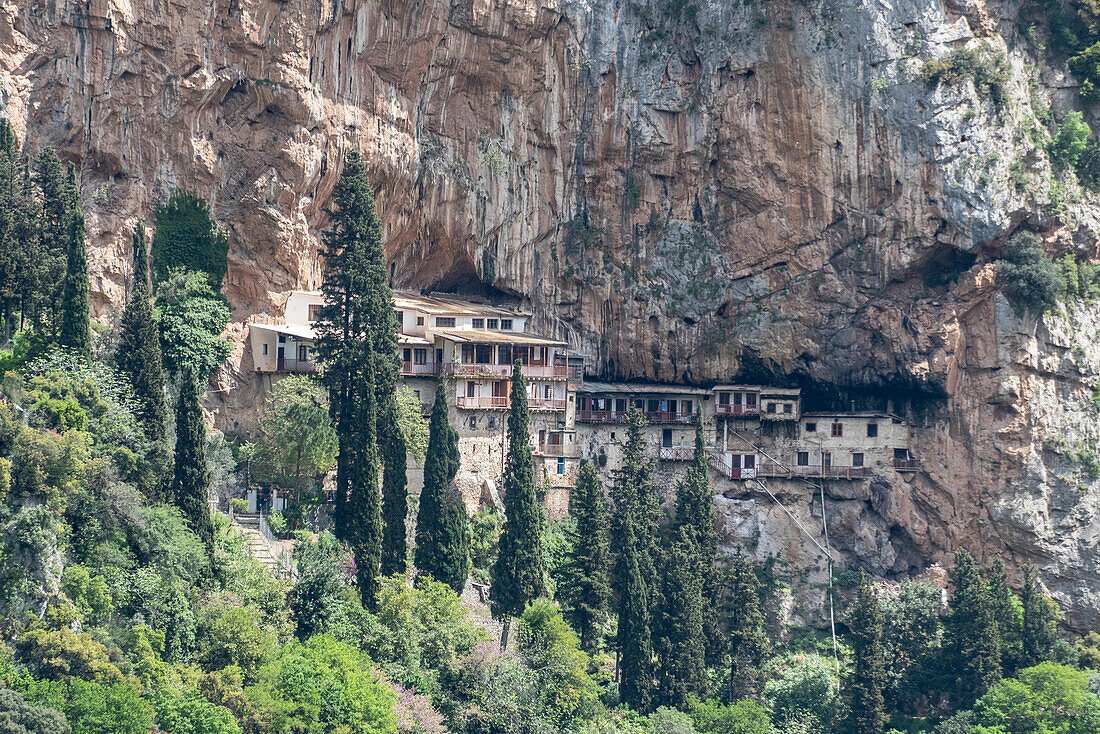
771, 469
481, 401
734, 409
906, 465
676, 453
538, 371
427, 369
284, 364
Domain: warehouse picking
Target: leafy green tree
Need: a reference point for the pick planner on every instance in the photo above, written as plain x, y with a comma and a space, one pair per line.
743, 717
804, 688
93, 708
19, 717
1040, 620
442, 527
912, 641
972, 643
1030, 279
191, 317
1088, 649
748, 642
1070, 141
1043, 699
551, 648
680, 640
187, 238
867, 712
191, 478
296, 445
76, 333
1009, 615
63, 653
633, 528
587, 589
191, 713
519, 573
318, 600
233, 636
139, 358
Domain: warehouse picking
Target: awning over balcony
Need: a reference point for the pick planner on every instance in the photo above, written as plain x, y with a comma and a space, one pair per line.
298, 331
488, 336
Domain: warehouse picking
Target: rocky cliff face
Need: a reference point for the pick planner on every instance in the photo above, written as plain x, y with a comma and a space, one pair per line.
685, 191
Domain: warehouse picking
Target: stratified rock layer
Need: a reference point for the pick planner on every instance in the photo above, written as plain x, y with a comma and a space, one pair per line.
684, 192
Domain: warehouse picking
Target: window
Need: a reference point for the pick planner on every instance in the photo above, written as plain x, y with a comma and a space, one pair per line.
493, 324
811, 428
265, 350
612, 435
750, 399
872, 430
857, 459
406, 355
419, 320
750, 461
420, 356
838, 430
653, 406
417, 394
479, 323
504, 354
771, 407
561, 466
620, 405
803, 458
786, 407
315, 312
506, 324
445, 322
548, 392
469, 389
483, 354
723, 398
282, 338
826, 460
400, 318
685, 407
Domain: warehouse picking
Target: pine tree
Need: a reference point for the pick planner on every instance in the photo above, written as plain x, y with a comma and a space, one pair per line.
634, 529
867, 712
1009, 617
76, 333
748, 642
587, 588
695, 510
1040, 621
518, 574
442, 526
363, 517
191, 478
972, 644
681, 643
139, 358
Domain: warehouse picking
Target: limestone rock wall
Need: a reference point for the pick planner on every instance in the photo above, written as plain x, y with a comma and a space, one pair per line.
684, 191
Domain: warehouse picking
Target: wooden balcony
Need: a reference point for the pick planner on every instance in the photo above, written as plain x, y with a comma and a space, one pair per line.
663, 418
735, 410
557, 450
551, 404
906, 465
483, 402
490, 371
779, 471
736, 473
619, 416
412, 369
283, 364
676, 453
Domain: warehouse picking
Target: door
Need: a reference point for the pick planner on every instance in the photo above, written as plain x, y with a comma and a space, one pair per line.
666, 438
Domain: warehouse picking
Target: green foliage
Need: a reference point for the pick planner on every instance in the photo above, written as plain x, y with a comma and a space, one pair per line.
76, 334
804, 687
89, 594
191, 477
19, 717
552, 649
867, 714
1088, 649
1028, 276
1080, 277
485, 527
666, 720
63, 654
230, 636
92, 708
186, 237
1039, 621
973, 647
191, 317
518, 574
413, 425
442, 534
748, 641
1070, 141
987, 68
319, 599
191, 713
679, 640
1044, 699
744, 717
322, 685
586, 589
1008, 612
59, 202
912, 642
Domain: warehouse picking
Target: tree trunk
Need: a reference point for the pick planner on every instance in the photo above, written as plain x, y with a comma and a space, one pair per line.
507, 624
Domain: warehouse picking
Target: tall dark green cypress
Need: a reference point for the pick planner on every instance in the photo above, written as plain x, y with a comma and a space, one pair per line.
1008, 614
518, 576
587, 588
30, 255
867, 711
442, 525
973, 649
10, 182
76, 332
680, 640
748, 641
58, 202
1040, 621
139, 358
634, 529
363, 517
191, 478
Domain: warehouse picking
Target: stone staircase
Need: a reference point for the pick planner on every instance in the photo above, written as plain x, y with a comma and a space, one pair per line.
252, 527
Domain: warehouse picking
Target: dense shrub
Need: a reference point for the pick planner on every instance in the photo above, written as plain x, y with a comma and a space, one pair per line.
90, 707
1045, 698
191, 317
186, 237
1070, 142
1029, 278
804, 686
988, 69
19, 717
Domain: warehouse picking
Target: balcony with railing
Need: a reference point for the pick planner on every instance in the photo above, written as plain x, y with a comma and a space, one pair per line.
665, 417
736, 409
484, 402
736, 473
556, 450
551, 404
284, 364
906, 465
619, 416
818, 471
676, 453
471, 369
424, 369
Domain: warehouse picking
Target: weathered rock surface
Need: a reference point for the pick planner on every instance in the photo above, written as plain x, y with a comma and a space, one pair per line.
686, 192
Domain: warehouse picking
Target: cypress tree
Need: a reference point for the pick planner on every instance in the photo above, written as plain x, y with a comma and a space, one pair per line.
30, 256
972, 644
76, 333
518, 574
587, 587
681, 644
1009, 617
442, 526
1040, 619
634, 529
363, 516
139, 358
58, 202
748, 642
191, 478
10, 181
867, 712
